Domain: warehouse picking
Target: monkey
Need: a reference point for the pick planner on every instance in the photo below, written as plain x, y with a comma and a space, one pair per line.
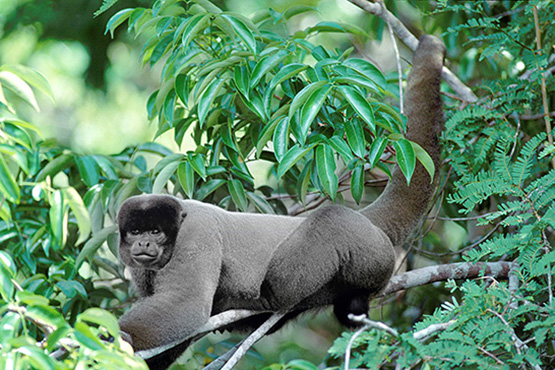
190, 260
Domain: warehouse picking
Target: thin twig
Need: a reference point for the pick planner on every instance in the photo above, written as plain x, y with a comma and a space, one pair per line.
432, 329
252, 339
220, 361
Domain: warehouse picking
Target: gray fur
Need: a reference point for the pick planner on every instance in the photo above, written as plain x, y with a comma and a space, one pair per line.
224, 260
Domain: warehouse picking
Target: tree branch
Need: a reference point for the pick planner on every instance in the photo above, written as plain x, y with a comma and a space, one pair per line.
432, 274
412, 43
407, 280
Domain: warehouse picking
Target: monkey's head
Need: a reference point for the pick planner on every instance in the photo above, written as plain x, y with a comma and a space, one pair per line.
148, 228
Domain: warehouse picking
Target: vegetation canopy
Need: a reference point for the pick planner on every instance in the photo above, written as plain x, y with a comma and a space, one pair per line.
278, 111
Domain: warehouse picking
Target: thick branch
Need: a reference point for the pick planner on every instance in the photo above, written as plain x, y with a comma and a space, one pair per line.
411, 41
432, 274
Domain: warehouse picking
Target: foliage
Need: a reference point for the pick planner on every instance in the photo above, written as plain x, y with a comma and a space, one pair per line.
243, 86
249, 90
500, 159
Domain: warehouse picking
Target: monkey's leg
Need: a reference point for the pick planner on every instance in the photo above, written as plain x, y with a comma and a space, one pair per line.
335, 253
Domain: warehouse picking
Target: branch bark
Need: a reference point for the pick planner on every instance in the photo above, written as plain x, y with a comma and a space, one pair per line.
411, 42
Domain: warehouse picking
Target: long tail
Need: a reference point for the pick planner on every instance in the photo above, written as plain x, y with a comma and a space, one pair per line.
399, 208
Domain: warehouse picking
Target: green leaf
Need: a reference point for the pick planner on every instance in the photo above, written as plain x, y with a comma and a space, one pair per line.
37, 358
425, 159
193, 26
116, 20
359, 81
186, 176
266, 64
260, 203
368, 70
160, 49
265, 135
88, 169
244, 33
7, 273
57, 219
19, 87
281, 138
359, 104
237, 193
46, 315
293, 155
340, 146
92, 245
284, 73
207, 98
208, 188
32, 77
325, 165
101, 318
376, 150
80, 212
197, 162
406, 158
303, 95
355, 137
86, 338
8, 187
311, 108
208, 6
242, 80
163, 177
304, 181
357, 182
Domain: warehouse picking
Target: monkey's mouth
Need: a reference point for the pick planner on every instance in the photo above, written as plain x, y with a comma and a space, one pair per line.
145, 258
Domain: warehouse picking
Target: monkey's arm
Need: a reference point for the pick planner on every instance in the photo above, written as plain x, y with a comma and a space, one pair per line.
181, 303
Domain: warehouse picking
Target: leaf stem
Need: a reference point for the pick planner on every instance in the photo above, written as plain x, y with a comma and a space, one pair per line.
545, 104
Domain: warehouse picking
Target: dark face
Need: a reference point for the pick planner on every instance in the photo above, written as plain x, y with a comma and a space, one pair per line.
148, 226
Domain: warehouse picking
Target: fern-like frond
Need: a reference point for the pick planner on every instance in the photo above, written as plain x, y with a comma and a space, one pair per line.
526, 159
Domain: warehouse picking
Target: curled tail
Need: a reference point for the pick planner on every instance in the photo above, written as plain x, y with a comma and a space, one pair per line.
399, 208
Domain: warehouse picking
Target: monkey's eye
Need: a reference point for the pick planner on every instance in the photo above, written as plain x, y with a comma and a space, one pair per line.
135, 232
155, 231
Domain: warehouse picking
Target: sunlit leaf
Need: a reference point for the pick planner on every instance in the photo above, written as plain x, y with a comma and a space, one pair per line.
293, 155
101, 318
186, 176
163, 177
8, 186
367, 69
244, 32
311, 108
281, 138
116, 20
359, 104
266, 64
207, 98
19, 87
355, 137
80, 212
92, 245
425, 159
325, 165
